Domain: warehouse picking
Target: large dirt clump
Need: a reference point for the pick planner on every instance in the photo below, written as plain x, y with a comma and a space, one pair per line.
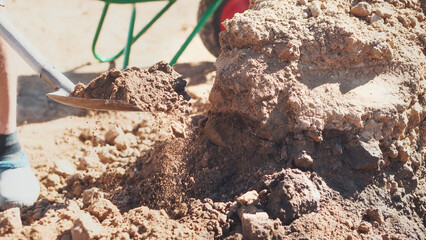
158, 88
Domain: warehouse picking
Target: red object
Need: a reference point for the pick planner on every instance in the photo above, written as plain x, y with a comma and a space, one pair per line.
231, 8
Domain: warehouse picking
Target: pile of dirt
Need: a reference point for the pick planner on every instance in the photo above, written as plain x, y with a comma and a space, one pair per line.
316, 130
158, 88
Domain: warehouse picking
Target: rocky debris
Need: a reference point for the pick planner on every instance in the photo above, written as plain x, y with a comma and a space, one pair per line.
108, 154
112, 133
304, 160
248, 198
64, 168
375, 18
86, 228
292, 194
384, 12
10, 221
103, 209
256, 224
315, 8
375, 214
178, 129
364, 155
91, 195
89, 160
52, 180
125, 141
364, 227
362, 9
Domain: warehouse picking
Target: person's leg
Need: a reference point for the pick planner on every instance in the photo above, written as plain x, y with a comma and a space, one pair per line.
18, 185
8, 90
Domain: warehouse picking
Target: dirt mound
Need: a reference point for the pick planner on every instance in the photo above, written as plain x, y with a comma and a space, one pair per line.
316, 130
158, 88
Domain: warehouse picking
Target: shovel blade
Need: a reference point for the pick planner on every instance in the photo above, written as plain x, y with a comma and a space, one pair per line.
61, 96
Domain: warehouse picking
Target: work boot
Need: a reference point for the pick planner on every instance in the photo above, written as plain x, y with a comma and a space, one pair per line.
18, 185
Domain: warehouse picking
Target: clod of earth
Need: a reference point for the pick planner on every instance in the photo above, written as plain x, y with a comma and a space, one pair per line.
158, 88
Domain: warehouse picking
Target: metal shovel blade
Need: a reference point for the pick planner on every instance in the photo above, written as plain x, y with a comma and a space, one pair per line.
61, 96
52, 76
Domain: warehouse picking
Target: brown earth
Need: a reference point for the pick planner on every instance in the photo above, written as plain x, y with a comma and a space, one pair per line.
315, 129
158, 88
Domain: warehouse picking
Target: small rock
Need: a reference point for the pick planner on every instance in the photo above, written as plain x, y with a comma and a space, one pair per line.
364, 227
304, 160
90, 160
406, 172
413, 21
315, 8
404, 20
107, 154
178, 130
125, 141
376, 215
91, 195
363, 155
392, 151
375, 18
292, 195
248, 198
384, 12
112, 133
52, 180
303, 2
86, 228
348, 222
381, 51
64, 168
103, 208
257, 226
362, 9
10, 221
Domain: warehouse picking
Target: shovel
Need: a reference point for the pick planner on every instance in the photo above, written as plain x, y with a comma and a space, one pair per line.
54, 78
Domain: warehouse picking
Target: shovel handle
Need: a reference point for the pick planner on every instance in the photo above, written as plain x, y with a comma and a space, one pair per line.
33, 57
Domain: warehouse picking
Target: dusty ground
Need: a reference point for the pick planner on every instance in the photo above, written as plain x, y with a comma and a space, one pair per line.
315, 130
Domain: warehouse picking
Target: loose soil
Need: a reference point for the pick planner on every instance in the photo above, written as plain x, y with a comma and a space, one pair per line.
315, 129
158, 88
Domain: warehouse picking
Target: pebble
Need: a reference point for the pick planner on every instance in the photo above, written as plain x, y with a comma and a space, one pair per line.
375, 18
103, 208
362, 9
91, 195
91, 160
52, 180
304, 160
112, 133
315, 8
85, 228
375, 214
10, 221
248, 198
384, 12
178, 130
364, 227
64, 168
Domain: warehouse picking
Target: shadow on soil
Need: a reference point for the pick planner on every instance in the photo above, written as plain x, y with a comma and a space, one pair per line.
34, 106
